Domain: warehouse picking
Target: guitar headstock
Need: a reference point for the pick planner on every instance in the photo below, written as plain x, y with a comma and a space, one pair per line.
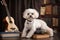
3, 2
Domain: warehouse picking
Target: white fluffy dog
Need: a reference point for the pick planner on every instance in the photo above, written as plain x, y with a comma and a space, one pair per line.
32, 23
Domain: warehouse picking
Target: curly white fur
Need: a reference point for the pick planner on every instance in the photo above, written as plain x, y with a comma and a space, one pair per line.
32, 23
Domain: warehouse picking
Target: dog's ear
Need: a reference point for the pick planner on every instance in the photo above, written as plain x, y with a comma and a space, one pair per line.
36, 13
25, 13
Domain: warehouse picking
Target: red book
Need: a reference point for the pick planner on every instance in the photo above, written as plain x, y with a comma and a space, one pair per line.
48, 9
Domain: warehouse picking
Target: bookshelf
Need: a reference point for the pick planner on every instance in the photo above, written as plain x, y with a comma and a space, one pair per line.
49, 13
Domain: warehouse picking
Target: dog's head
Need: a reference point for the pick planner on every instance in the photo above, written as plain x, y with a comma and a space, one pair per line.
30, 14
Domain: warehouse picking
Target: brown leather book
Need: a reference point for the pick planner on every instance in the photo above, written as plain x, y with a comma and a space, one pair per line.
48, 9
45, 1
55, 21
55, 10
48, 1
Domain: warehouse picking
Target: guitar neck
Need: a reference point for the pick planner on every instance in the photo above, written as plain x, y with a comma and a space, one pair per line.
4, 3
8, 12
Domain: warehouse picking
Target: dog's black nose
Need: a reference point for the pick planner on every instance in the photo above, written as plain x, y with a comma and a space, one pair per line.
30, 16
12, 28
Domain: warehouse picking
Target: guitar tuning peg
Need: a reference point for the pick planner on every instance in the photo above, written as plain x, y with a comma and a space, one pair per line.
1, 2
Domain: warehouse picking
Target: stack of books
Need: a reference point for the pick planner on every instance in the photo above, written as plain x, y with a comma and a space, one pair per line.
9, 34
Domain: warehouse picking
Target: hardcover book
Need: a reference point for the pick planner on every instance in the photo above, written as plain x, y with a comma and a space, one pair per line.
55, 21
42, 11
48, 9
55, 10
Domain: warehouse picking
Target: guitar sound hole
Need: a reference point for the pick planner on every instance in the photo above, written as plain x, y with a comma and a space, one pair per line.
12, 28
10, 21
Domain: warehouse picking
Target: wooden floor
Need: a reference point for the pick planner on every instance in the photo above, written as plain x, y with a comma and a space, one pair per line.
56, 37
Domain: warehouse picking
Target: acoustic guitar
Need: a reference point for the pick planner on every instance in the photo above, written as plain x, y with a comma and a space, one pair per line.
11, 25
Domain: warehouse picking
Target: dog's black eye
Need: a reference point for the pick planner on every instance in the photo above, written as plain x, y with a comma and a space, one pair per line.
32, 13
28, 14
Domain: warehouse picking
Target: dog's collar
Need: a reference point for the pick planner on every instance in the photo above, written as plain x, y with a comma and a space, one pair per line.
29, 21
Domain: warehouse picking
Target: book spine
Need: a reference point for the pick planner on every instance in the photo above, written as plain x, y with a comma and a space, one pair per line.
48, 1
55, 21
49, 9
45, 1
55, 10
42, 11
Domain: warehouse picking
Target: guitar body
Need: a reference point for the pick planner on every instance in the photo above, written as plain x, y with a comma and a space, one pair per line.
11, 25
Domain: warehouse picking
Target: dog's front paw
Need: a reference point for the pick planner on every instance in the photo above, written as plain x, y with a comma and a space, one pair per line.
23, 36
28, 37
51, 35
